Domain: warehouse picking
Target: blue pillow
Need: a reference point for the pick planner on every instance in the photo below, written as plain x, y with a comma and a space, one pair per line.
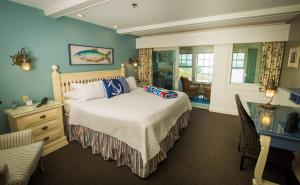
114, 87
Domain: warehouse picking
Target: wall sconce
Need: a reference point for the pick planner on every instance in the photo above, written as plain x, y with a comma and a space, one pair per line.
22, 59
270, 93
133, 61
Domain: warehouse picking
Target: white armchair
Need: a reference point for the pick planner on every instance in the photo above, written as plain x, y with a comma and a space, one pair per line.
19, 157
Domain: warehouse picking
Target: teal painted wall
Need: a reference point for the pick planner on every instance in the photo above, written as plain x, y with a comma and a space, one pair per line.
47, 41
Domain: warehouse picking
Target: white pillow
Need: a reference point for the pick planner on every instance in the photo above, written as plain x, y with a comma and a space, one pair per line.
89, 91
71, 95
131, 82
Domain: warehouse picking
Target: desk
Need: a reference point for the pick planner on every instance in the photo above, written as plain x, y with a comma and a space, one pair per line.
270, 126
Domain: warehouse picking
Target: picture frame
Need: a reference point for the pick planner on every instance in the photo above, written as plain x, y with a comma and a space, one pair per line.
90, 55
294, 58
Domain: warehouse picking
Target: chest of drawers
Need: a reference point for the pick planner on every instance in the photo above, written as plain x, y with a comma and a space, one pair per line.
46, 123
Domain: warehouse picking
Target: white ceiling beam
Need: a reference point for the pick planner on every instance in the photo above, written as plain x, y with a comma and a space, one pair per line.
262, 33
214, 19
67, 7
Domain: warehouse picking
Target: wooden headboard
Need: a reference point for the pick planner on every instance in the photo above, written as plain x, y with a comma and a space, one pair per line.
61, 82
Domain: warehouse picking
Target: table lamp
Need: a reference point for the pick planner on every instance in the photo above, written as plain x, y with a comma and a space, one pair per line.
270, 93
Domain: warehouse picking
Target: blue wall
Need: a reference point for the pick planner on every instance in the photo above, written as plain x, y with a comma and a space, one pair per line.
47, 39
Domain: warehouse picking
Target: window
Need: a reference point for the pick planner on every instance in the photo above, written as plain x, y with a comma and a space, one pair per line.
246, 60
204, 67
186, 65
238, 62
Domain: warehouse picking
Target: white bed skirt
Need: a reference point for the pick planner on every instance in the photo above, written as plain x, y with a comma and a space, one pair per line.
113, 149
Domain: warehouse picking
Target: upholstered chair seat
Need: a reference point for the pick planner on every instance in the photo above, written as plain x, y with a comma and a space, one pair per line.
19, 157
189, 88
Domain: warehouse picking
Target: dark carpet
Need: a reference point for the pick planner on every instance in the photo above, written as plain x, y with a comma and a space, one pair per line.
206, 154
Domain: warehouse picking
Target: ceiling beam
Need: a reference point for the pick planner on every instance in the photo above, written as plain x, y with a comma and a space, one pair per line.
263, 33
214, 19
67, 7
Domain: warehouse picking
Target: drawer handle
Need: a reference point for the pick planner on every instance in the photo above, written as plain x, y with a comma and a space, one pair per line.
45, 128
46, 138
43, 116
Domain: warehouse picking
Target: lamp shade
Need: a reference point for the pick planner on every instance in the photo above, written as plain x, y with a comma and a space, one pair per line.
270, 93
266, 120
271, 89
26, 66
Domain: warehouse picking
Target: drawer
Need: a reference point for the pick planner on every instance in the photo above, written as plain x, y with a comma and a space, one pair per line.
33, 119
48, 136
44, 127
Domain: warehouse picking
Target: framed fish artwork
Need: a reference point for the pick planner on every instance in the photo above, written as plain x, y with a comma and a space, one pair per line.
89, 55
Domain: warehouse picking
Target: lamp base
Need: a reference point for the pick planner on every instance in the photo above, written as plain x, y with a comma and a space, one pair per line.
268, 106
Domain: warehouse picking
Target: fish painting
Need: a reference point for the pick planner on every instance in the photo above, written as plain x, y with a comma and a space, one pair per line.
93, 55
90, 55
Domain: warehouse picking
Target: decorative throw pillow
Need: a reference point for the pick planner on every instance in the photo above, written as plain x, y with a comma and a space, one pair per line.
114, 87
131, 82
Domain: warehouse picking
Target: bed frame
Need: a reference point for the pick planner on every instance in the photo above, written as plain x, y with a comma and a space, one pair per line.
61, 82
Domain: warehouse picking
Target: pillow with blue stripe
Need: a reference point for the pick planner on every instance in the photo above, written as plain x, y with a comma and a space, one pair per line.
115, 87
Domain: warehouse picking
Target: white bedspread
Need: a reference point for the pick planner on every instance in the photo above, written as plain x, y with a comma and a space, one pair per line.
140, 119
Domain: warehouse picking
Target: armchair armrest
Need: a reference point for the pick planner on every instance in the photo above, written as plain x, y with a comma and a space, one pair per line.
3, 174
15, 139
195, 84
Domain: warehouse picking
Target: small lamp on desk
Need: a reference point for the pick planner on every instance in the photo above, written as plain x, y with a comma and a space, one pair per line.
270, 93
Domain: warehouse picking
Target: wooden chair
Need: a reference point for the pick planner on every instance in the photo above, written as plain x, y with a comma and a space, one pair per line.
189, 88
249, 144
207, 90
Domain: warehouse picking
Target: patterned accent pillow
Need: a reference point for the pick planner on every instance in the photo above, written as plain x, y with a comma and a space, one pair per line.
114, 87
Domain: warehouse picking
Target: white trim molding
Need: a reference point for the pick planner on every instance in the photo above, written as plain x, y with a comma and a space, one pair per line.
68, 7
223, 111
262, 33
268, 12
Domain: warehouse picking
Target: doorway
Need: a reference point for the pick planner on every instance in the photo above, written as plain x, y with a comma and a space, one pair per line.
163, 68
196, 66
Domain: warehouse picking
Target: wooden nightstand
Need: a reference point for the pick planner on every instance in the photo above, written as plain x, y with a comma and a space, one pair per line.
46, 123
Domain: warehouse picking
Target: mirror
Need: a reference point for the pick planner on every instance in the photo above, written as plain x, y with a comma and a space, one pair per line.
245, 64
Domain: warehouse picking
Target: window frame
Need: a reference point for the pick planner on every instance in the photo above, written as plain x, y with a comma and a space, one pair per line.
235, 64
238, 60
236, 86
210, 67
186, 62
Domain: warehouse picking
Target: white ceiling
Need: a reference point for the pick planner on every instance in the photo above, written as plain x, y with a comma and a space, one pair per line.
165, 16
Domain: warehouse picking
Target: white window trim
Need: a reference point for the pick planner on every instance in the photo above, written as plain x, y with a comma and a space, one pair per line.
236, 86
193, 58
195, 66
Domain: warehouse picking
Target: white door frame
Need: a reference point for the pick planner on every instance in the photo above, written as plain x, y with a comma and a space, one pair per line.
175, 65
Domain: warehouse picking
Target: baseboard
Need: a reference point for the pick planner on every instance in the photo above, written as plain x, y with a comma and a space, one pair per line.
223, 111
199, 107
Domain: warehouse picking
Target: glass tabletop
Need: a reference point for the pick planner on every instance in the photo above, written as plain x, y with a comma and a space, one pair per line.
273, 121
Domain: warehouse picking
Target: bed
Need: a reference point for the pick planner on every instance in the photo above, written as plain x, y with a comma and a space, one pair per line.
136, 129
